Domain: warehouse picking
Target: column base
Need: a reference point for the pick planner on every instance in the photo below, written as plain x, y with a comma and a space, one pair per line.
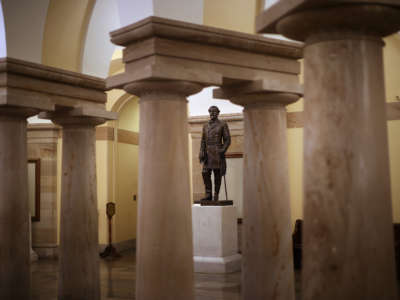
219, 265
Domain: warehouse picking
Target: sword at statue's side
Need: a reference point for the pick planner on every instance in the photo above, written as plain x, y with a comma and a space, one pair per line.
226, 192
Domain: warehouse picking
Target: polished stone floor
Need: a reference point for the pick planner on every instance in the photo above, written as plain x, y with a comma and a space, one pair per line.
118, 281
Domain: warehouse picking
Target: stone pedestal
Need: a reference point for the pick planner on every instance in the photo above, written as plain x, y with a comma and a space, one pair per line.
215, 239
348, 232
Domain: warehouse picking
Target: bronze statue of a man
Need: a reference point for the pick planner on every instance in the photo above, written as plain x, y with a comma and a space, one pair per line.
215, 141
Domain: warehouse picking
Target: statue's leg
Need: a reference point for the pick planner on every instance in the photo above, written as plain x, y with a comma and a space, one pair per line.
207, 183
217, 183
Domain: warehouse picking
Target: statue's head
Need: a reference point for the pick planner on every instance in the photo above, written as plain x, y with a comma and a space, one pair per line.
214, 112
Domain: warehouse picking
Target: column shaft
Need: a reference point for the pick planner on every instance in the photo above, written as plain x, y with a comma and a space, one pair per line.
267, 248
14, 210
165, 249
79, 253
348, 236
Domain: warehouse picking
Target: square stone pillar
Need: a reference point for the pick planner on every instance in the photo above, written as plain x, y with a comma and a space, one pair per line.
27, 89
16, 105
348, 232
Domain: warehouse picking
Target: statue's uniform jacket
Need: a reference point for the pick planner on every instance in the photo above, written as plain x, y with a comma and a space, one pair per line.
215, 141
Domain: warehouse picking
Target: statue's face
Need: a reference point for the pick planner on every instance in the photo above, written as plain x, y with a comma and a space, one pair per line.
213, 113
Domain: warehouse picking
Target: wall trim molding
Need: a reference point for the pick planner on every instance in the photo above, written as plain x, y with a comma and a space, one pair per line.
233, 155
128, 137
294, 119
106, 133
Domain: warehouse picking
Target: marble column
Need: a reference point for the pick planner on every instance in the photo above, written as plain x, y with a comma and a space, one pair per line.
348, 236
78, 250
14, 209
267, 271
164, 242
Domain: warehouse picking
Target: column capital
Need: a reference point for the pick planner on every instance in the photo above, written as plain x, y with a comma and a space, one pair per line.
17, 112
260, 93
79, 116
161, 90
302, 19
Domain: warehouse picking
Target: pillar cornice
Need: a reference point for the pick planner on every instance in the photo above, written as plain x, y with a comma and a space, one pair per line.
162, 49
30, 85
301, 19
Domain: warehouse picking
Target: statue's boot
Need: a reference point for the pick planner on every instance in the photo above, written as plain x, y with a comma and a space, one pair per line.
217, 183
208, 185
216, 197
208, 197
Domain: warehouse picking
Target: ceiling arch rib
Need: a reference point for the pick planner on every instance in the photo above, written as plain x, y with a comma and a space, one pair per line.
98, 49
3, 42
65, 32
24, 33
109, 15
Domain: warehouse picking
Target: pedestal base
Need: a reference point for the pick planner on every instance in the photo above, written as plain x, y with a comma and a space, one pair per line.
34, 255
215, 240
227, 264
110, 253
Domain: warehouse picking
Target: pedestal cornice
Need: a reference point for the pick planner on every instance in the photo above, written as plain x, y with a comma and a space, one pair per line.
162, 49
301, 18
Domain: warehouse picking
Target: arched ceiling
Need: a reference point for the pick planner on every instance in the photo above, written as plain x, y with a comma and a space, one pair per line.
74, 34
98, 49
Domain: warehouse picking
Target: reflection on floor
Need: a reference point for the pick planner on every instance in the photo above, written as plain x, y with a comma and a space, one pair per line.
118, 281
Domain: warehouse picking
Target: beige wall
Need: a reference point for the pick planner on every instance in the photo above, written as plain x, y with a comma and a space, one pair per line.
238, 15
127, 174
127, 178
43, 145
104, 161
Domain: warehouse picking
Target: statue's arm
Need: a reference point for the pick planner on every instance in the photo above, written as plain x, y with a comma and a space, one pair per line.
202, 153
226, 138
